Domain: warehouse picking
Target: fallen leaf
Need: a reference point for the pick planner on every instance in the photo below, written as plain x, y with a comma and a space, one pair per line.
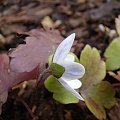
112, 55
81, 1
114, 113
23, 63
104, 10
47, 22
3, 99
8, 78
39, 45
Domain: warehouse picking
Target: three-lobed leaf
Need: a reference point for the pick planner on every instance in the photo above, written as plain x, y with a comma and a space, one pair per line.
95, 68
97, 94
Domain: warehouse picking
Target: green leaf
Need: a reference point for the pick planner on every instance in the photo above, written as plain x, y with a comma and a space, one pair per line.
94, 107
112, 55
57, 70
103, 93
99, 96
95, 68
59, 92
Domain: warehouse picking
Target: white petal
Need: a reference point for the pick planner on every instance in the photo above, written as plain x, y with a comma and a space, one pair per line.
73, 70
63, 49
75, 93
75, 84
70, 58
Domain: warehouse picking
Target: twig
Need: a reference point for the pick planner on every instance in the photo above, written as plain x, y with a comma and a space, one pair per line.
116, 85
116, 76
27, 107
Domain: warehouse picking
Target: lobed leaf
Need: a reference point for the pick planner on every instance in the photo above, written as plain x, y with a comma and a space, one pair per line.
95, 68
39, 45
97, 94
23, 63
59, 92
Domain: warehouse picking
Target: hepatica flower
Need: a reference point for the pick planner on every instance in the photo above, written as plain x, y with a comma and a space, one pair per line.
65, 69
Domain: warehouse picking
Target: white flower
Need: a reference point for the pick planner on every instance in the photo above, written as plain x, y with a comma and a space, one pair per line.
73, 70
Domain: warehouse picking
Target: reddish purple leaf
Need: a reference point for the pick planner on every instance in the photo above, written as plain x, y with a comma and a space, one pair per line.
8, 78
26, 60
39, 45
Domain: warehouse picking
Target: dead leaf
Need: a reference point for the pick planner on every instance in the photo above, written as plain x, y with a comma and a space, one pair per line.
81, 1
47, 22
104, 10
114, 113
8, 78
26, 59
39, 45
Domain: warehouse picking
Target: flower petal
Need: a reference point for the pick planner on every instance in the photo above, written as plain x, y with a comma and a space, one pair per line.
75, 93
73, 70
63, 49
70, 58
75, 84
